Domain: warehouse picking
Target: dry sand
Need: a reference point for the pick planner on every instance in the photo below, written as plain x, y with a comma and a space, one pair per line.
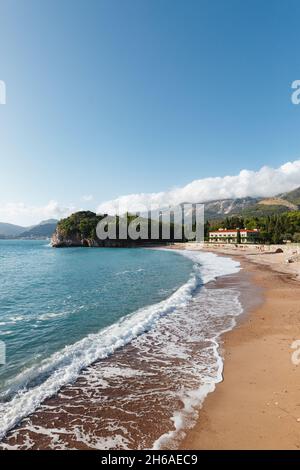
257, 406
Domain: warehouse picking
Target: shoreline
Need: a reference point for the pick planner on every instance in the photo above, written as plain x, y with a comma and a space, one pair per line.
104, 407
257, 405
253, 405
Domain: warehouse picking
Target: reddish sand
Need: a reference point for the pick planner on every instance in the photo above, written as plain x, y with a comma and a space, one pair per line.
257, 406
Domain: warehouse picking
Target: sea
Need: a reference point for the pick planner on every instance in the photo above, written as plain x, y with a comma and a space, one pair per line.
109, 348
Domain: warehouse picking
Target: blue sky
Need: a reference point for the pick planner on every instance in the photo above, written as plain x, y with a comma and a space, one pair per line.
112, 97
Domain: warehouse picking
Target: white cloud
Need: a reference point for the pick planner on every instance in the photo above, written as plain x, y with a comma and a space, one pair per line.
22, 214
265, 182
87, 197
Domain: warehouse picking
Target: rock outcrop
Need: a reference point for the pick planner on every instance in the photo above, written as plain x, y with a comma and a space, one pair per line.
58, 240
80, 230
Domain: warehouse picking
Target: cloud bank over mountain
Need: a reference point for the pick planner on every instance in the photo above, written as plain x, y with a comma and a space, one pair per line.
262, 183
23, 214
265, 182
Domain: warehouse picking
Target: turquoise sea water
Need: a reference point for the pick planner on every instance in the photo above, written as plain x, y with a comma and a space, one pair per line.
100, 341
50, 298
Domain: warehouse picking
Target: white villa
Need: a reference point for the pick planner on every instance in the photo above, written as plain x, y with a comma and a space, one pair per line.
231, 236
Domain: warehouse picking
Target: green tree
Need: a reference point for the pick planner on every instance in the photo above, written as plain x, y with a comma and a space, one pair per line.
296, 237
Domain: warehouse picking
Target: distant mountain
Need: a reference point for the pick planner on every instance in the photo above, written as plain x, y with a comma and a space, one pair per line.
225, 207
215, 209
252, 206
292, 196
43, 230
47, 222
218, 209
10, 230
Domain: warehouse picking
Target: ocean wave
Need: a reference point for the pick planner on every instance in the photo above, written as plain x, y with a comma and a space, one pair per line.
193, 399
36, 384
211, 267
64, 366
127, 271
51, 315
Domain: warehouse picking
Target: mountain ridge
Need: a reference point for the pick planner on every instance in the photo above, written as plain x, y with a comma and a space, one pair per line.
214, 209
44, 229
254, 206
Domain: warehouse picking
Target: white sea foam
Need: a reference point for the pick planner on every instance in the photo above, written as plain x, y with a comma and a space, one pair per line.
6, 333
64, 366
121, 273
193, 399
211, 267
50, 315
16, 318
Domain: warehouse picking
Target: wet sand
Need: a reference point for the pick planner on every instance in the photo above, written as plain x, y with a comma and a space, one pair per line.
148, 392
257, 406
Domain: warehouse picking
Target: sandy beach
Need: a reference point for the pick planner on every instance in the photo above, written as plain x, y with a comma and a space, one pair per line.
257, 406
144, 392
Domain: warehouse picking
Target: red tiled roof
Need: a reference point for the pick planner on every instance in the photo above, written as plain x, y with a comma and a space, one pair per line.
223, 230
246, 230
233, 230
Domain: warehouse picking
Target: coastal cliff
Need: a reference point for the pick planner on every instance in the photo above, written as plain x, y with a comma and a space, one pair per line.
79, 230
59, 239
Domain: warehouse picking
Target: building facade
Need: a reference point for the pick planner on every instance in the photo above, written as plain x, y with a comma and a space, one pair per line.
234, 236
